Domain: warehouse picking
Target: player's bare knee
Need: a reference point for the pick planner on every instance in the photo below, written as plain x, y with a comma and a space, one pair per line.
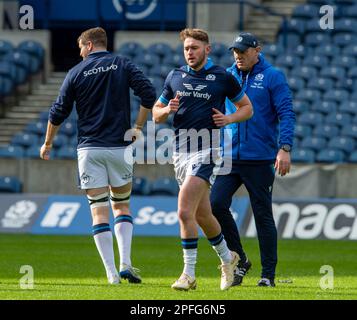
120, 202
185, 215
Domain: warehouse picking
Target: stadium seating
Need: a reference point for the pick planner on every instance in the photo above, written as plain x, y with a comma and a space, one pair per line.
35, 52
300, 106
17, 64
160, 49
304, 72
338, 96
302, 131
349, 107
306, 11
336, 73
328, 50
296, 83
66, 152
141, 186
314, 38
10, 185
59, 141
338, 118
292, 40
326, 131
353, 157
314, 143
131, 49
300, 51
320, 66
164, 186
330, 155
295, 26
25, 140
218, 49
34, 152
287, 61
345, 144
12, 152
6, 47
273, 50
352, 12
303, 155
39, 128
321, 84
316, 61
22, 64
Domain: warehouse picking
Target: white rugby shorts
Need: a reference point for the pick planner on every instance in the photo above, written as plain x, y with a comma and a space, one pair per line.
102, 167
204, 164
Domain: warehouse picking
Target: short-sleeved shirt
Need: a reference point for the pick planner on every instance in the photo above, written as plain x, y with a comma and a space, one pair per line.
199, 92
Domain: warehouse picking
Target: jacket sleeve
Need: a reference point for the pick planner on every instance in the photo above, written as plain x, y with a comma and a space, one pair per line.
62, 107
141, 85
282, 101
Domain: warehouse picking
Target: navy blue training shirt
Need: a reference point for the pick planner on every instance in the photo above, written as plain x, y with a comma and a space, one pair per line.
199, 92
100, 86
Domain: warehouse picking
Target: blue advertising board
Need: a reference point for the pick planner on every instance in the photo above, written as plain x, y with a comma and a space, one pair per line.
157, 216
152, 216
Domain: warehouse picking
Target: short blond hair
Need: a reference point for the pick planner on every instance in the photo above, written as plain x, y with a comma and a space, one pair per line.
197, 34
97, 36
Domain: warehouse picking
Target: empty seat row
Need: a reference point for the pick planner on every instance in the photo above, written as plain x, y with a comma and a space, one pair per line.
161, 186
325, 107
163, 52
311, 11
306, 155
301, 50
314, 118
317, 143
325, 130
10, 184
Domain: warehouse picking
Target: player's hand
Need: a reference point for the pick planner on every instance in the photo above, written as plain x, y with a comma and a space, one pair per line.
219, 119
45, 151
173, 104
283, 163
137, 133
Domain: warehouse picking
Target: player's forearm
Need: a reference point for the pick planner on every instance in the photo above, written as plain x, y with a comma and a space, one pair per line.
51, 133
160, 114
142, 117
244, 113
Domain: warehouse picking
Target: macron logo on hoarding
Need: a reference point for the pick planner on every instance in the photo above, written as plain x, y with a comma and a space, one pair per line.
60, 214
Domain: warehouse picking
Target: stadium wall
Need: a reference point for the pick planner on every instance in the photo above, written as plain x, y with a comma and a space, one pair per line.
304, 181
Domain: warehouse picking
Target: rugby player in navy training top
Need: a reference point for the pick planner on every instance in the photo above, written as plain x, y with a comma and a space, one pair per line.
195, 94
99, 86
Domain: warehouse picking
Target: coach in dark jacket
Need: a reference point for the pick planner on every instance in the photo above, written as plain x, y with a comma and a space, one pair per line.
259, 146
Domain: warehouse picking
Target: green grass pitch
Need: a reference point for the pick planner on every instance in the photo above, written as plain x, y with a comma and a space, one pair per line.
69, 267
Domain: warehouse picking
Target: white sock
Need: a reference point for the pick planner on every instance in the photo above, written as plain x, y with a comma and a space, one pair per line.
104, 243
124, 233
223, 252
189, 259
